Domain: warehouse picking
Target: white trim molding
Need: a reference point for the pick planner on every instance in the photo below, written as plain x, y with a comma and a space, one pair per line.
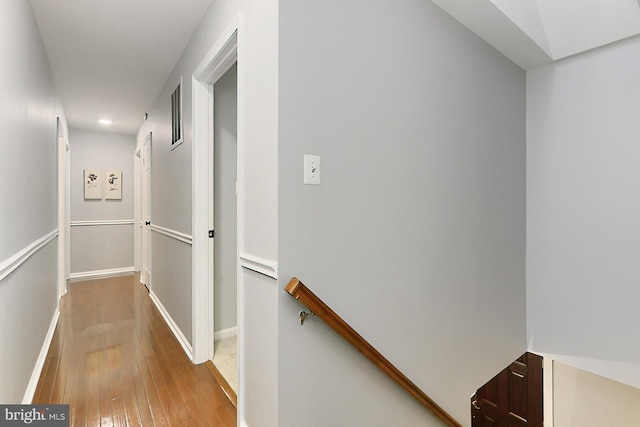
184, 343
11, 264
42, 358
106, 222
547, 381
259, 265
64, 231
183, 237
101, 274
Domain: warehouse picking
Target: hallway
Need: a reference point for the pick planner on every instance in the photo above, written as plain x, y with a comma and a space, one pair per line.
114, 360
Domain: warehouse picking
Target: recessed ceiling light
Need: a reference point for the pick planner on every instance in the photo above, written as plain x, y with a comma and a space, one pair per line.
105, 122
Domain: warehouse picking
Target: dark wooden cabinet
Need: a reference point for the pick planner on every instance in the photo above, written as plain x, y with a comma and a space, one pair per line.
513, 398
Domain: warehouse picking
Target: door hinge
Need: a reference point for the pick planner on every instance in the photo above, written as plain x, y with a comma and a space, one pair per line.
212, 234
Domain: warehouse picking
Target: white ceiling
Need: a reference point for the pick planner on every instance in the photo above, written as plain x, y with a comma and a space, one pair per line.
110, 58
533, 33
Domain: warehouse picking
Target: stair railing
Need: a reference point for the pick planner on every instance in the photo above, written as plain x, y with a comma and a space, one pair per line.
318, 308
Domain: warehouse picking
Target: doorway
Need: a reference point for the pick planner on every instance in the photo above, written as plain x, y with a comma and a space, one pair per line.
225, 172
223, 55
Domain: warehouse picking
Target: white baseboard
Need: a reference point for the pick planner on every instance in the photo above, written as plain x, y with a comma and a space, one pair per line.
225, 333
186, 346
100, 274
37, 369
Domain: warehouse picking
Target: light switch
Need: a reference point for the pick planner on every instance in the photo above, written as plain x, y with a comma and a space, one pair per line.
311, 169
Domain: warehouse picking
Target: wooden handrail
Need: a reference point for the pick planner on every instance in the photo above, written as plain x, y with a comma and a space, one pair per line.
301, 293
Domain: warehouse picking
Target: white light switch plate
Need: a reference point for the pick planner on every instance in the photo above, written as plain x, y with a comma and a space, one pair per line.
311, 169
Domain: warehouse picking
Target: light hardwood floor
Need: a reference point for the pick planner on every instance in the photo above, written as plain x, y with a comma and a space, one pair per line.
115, 362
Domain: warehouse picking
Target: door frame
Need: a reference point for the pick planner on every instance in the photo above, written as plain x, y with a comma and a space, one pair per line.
64, 157
227, 51
146, 194
547, 390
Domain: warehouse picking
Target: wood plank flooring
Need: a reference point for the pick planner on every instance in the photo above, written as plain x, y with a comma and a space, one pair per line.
114, 360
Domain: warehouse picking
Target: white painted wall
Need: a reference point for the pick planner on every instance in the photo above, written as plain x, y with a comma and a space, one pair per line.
28, 183
225, 218
101, 247
416, 234
582, 399
258, 221
583, 205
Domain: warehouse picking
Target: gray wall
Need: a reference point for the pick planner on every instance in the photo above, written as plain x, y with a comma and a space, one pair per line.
28, 178
225, 218
101, 247
583, 205
416, 235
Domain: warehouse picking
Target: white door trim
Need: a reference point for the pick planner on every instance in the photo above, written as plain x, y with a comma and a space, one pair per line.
547, 393
63, 224
137, 208
146, 179
67, 220
224, 53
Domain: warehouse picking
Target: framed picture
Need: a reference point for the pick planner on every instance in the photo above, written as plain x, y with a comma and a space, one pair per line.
176, 116
92, 184
113, 185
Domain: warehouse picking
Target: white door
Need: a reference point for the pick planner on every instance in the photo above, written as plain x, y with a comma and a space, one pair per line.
145, 276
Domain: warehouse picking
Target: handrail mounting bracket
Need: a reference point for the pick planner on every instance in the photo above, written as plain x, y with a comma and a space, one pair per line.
304, 314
